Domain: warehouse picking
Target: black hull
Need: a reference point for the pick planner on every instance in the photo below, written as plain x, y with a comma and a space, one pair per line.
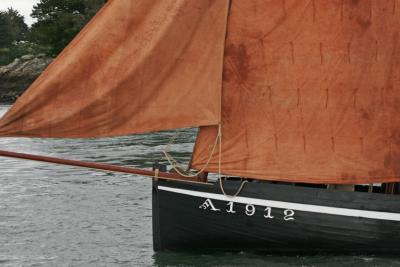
298, 220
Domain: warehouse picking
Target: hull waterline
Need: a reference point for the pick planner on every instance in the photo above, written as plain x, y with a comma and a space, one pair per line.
274, 218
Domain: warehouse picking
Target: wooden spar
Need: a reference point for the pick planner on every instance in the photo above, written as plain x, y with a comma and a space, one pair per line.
97, 166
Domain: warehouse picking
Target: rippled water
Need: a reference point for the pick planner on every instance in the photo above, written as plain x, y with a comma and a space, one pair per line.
63, 216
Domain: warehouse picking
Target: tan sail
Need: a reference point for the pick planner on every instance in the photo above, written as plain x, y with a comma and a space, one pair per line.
311, 92
138, 66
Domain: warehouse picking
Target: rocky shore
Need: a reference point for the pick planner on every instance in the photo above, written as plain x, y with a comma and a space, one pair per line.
16, 77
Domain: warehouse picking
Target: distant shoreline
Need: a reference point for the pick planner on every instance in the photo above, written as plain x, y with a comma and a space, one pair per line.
17, 76
3, 103
7, 100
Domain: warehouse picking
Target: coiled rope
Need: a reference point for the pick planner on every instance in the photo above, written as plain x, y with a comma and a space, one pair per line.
218, 141
178, 168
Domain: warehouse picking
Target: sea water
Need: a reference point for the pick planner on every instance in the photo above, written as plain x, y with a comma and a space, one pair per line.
54, 215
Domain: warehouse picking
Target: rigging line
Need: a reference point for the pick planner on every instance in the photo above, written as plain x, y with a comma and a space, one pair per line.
172, 140
237, 192
176, 166
168, 148
221, 186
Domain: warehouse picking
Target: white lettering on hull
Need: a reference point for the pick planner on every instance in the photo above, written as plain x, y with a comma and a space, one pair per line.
250, 210
289, 206
208, 205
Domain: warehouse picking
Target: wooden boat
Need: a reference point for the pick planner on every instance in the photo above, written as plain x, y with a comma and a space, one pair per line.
297, 102
274, 218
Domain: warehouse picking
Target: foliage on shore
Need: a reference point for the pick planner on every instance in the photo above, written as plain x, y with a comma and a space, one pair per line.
57, 23
26, 51
18, 75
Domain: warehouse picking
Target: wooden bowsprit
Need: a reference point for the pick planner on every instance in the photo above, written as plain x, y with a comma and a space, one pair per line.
97, 166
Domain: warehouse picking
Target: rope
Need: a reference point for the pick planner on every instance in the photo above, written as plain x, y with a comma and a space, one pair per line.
237, 192
221, 186
172, 140
218, 141
176, 166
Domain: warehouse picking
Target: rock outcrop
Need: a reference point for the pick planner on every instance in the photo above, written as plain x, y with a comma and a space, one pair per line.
16, 77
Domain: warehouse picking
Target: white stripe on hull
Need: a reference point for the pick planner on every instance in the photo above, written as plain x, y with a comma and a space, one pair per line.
389, 216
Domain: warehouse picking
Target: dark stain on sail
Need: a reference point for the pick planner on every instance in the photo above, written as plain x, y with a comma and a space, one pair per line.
364, 23
226, 74
238, 55
365, 115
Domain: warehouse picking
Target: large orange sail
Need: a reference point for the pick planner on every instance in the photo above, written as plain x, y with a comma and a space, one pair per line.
311, 92
138, 66
310, 88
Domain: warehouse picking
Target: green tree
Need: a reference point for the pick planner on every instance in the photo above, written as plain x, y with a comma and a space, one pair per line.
19, 27
12, 28
58, 21
6, 34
